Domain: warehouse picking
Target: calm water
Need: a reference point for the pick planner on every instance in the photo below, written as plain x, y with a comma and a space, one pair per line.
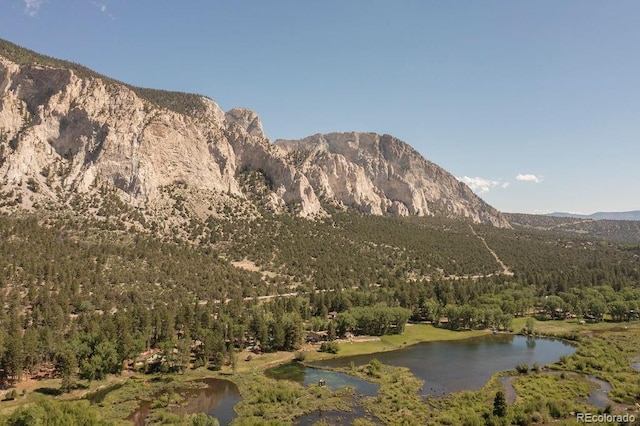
308, 376
599, 397
311, 376
453, 366
636, 364
217, 399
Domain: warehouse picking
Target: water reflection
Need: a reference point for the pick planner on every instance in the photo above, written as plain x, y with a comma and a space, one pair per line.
636, 364
216, 399
312, 376
452, 366
600, 395
531, 342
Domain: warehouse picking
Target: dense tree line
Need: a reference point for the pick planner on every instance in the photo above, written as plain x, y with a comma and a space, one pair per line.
86, 300
373, 320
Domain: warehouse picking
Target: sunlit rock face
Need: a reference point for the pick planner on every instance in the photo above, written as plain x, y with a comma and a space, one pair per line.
380, 174
66, 132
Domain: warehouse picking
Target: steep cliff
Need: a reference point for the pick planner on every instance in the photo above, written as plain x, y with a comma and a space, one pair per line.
65, 130
64, 133
381, 174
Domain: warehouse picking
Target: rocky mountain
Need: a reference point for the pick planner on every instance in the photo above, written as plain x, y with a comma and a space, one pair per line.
66, 131
381, 174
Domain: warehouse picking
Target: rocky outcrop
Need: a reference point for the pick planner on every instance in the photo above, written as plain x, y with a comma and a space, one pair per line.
66, 130
71, 134
381, 174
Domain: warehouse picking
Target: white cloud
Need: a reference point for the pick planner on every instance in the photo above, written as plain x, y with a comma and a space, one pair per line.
101, 6
481, 185
529, 178
31, 7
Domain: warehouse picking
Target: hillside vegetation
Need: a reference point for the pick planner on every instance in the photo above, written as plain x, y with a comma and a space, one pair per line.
612, 230
183, 103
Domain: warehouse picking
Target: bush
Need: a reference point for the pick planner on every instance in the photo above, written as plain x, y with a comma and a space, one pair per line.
522, 368
536, 417
301, 356
11, 395
374, 368
330, 347
54, 413
557, 409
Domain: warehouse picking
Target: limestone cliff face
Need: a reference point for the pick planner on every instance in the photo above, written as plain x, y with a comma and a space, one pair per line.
381, 174
65, 130
70, 134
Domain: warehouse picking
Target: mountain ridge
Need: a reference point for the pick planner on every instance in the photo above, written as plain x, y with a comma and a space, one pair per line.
390, 176
626, 231
66, 130
628, 215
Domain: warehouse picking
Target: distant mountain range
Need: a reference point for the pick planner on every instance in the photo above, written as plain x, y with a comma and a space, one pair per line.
631, 215
583, 226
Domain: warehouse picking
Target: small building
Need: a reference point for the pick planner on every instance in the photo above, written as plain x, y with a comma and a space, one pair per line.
150, 357
255, 348
589, 317
317, 336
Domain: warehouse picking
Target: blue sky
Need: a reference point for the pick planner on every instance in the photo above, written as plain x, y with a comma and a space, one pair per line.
535, 104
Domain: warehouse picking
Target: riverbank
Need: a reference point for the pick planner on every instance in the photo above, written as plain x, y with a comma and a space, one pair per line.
413, 334
606, 351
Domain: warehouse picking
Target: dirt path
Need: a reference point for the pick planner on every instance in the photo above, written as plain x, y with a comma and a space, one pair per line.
505, 268
251, 266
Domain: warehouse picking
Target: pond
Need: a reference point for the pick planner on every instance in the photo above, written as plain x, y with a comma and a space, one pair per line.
312, 376
599, 397
216, 399
309, 376
452, 366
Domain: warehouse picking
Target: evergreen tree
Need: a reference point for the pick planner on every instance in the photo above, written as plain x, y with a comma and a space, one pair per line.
331, 331
67, 366
500, 405
13, 357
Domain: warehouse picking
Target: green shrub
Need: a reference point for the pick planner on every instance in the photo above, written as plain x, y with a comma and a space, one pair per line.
330, 347
11, 395
374, 368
